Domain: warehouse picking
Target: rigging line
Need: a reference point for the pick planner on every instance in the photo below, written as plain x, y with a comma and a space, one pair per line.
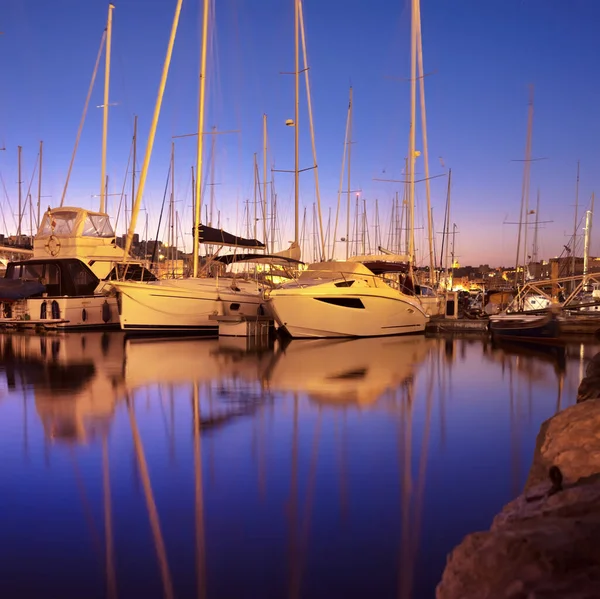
155, 248
85, 108
123, 191
125, 103
28, 196
8, 202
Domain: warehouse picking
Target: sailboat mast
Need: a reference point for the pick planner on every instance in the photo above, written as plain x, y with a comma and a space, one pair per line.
534, 250
213, 147
264, 198
574, 245
152, 133
589, 215
447, 232
39, 201
453, 252
412, 132
525, 186
200, 138
349, 141
105, 108
19, 150
134, 160
255, 195
172, 206
82, 120
296, 118
425, 146
312, 130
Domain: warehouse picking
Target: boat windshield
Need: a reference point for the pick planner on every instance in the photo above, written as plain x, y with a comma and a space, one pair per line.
97, 225
62, 223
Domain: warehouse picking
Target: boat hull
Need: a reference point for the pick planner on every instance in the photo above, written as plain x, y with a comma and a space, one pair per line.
536, 329
185, 305
328, 316
62, 313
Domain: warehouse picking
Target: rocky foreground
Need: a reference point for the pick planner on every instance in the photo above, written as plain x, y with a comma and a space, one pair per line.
546, 543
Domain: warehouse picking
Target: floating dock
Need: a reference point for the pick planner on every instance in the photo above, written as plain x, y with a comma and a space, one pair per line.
238, 325
457, 325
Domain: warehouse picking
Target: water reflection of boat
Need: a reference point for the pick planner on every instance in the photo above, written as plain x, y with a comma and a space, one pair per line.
185, 360
542, 352
355, 371
76, 379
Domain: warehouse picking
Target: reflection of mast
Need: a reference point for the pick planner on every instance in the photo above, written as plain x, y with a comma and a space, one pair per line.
343, 464
111, 580
514, 433
299, 538
200, 548
161, 552
294, 589
411, 549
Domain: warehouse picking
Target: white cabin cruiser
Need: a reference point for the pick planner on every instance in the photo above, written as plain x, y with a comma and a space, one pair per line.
365, 296
66, 284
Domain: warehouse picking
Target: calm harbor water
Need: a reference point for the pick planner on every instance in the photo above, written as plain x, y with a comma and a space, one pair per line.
202, 468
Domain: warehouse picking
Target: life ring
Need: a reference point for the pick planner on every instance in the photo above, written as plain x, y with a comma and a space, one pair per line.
53, 245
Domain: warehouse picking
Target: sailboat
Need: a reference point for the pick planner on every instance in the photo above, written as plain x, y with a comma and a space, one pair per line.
190, 305
363, 296
65, 283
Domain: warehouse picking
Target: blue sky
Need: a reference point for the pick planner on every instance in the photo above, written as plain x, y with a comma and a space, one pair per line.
484, 54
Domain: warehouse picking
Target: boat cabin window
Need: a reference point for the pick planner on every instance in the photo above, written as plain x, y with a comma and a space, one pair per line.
51, 279
129, 272
84, 280
13, 271
424, 291
32, 272
62, 223
97, 225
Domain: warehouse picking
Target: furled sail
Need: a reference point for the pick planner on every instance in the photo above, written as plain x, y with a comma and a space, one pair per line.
220, 237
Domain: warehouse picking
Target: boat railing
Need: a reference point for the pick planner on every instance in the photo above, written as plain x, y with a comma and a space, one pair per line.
556, 295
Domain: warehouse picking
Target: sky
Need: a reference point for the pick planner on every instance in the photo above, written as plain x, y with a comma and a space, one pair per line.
481, 57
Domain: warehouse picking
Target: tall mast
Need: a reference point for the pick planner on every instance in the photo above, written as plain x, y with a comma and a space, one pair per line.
296, 119
19, 149
447, 219
105, 108
213, 144
312, 130
534, 250
255, 195
453, 252
264, 198
273, 214
411, 137
574, 245
82, 120
39, 201
134, 160
200, 138
172, 206
340, 188
586, 243
525, 185
152, 133
589, 215
349, 138
425, 146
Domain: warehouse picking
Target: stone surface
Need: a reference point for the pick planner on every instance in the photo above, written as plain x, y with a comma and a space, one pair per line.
569, 440
540, 546
589, 388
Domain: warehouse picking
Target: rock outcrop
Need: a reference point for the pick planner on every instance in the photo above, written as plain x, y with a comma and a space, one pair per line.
546, 543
